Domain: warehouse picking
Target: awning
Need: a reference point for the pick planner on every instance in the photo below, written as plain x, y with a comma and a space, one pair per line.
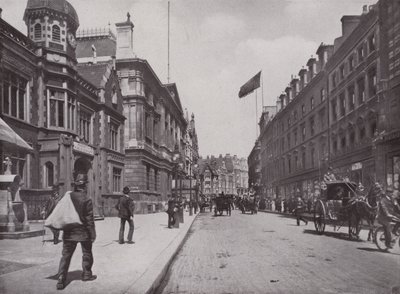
10, 137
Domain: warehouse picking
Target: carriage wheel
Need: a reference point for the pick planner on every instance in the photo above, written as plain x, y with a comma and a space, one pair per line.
354, 227
379, 239
319, 217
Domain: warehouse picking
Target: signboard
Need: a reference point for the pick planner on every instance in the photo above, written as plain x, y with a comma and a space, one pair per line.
356, 166
83, 148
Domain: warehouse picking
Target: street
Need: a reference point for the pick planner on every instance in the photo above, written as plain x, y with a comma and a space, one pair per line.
269, 253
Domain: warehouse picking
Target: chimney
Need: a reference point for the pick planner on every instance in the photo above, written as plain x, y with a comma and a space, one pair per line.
295, 86
324, 52
278, 104
125, 39
282, 98
94, 54
1, 10
312, 67
349, 23
288, 92
365, 9
303, 78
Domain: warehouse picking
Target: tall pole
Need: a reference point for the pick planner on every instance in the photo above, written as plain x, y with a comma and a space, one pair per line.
256, 117
190, 187
168, 45
262, 90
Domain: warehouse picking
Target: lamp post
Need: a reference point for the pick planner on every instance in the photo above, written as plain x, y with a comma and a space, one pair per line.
176, 158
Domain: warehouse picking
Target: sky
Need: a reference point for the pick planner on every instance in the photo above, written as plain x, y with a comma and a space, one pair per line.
215, 47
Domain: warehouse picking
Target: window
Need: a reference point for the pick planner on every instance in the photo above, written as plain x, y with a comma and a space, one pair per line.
371, 43
114, 97
303, 109
360, 53
56, 109
295, 137
113, 127
343, 142
334, 145
342, 102
155, 180
361, 91
351, 63
48, 174
117, 179
362, 132
147, 177
323, 95
136, 86
312, 157
303, 160
71, 112
14, 95
288, 122
37, 31
85, 122
312, 126
312, 103
372, 82
56, 33
294, 115
334, 110
303, 132
372, 128
352, 137
288, 140
341, 72
148, 126
334, 80
351, 96
289, 165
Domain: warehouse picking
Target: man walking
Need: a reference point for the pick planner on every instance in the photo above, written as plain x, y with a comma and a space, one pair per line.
49, 207
298, 210
84, 234
171, 212
125, 207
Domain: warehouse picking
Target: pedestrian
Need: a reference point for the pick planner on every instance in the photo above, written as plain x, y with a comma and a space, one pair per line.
298, 210
49, 207
388, 212
84, 234
126, 208
171, 211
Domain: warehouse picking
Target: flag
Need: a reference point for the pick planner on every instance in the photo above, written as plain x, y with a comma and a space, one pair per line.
250, 86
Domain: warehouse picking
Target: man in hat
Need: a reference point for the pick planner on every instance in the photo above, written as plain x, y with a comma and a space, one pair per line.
49, 207
126, 208
84, 234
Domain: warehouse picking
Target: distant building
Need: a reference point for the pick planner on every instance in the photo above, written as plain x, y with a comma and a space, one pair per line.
254, 163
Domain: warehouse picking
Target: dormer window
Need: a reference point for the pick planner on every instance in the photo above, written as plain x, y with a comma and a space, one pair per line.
56, 33
38, 31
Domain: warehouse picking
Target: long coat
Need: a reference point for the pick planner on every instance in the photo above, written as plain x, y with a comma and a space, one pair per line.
84, 208
125, 207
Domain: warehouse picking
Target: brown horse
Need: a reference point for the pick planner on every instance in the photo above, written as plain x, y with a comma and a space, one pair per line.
366, 208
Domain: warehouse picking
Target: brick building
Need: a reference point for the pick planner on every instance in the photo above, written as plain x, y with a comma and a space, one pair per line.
340, 111
71, 115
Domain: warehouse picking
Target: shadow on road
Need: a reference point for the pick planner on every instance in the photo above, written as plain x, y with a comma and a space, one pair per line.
376, 250
72, 276
336, 235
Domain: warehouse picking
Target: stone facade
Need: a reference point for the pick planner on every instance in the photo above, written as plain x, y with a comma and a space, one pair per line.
62, 113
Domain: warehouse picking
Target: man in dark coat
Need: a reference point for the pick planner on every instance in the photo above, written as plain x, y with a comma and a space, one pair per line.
298, 210
84, 234
49, 207
171, 211
125, 207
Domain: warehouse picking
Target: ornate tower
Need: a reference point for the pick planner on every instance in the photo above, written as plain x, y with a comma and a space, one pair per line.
52, 25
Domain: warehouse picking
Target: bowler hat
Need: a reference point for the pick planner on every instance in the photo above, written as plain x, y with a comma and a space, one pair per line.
81, 179
126, 190
55, 187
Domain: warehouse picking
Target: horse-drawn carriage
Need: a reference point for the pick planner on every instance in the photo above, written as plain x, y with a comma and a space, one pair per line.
337, 206
248, 204
222, 203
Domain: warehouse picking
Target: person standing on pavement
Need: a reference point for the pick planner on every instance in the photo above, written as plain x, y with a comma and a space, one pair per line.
84, 234
126, 208
171, 211
298, 210
49, 207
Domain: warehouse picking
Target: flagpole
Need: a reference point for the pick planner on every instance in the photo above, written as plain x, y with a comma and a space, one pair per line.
256, 117
262, 90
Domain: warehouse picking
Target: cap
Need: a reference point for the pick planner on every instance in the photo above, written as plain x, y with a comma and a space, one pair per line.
126, 190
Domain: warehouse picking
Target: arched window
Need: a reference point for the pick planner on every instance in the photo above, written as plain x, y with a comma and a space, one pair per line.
48, 174
38, 31
56, 33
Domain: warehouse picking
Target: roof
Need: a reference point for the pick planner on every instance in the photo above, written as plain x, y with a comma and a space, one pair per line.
104, 47
94, 73
62, 6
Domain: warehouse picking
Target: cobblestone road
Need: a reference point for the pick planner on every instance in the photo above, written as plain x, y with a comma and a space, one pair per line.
268, 253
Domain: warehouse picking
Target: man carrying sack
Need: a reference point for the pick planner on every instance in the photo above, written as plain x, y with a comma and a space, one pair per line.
125, 207
74, 214
49, 207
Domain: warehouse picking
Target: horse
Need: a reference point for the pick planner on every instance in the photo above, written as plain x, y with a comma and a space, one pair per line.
366, 208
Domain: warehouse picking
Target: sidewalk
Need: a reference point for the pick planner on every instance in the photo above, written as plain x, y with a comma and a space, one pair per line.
30, 265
